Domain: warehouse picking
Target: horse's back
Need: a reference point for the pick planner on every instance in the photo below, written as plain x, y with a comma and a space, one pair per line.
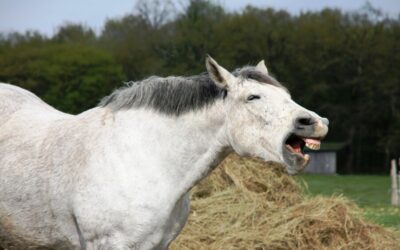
14, 99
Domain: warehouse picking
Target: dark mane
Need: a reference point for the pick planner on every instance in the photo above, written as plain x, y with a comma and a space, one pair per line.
170, 95
176, 95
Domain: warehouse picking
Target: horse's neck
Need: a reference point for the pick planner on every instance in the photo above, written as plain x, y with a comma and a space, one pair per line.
185, 148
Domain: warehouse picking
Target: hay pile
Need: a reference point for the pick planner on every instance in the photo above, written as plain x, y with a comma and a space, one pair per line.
248, 204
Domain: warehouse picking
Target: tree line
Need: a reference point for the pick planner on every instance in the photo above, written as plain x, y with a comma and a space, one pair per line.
342, 65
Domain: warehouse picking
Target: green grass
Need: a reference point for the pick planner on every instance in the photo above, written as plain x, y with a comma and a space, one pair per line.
371, 193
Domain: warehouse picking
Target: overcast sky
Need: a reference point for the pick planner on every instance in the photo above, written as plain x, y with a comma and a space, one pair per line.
46, 15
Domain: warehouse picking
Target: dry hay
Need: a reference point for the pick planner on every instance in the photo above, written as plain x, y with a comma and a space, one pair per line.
248, 204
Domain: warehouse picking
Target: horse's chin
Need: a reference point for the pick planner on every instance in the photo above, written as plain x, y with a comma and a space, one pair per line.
296, 163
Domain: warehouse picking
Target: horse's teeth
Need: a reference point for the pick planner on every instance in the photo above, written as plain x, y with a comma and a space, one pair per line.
313, 146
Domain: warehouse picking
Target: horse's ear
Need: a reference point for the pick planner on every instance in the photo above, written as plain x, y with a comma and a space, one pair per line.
218, 74
261, 67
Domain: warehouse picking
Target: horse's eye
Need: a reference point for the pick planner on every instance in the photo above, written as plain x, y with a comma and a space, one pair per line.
253, 97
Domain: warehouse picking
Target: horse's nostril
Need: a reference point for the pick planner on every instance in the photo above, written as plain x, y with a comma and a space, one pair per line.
305, 121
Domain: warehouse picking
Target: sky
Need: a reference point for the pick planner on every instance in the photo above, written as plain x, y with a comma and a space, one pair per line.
46, 16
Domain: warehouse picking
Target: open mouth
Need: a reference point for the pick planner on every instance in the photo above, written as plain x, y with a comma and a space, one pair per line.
295, 145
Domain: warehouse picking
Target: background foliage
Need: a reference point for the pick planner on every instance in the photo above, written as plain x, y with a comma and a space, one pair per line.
342, 65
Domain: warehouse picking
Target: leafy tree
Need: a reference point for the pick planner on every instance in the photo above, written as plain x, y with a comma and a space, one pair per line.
191, 41
70, 77
76, 33
135, 45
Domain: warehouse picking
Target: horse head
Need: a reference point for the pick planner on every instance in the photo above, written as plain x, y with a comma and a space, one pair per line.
262, 120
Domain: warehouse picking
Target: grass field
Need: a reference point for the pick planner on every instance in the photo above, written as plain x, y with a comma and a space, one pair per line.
371, 193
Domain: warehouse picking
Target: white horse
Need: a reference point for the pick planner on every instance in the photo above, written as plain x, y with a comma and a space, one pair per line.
118, 176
